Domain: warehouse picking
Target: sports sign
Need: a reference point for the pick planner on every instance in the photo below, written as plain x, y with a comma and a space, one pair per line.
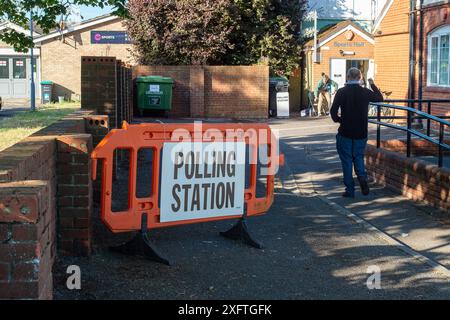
202, 180
111, 37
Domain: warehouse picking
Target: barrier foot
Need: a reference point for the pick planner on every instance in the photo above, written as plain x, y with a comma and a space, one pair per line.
141, 245
240, 232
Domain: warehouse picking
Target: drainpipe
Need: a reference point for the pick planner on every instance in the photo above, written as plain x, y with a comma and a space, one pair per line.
315, 34
421, 38
412, 54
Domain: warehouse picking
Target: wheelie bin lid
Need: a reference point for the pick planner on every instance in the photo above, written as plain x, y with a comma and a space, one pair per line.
278, 79
46, 82
154, 79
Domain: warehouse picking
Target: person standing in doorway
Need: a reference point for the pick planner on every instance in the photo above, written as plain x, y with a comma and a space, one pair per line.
353, 103
325, 88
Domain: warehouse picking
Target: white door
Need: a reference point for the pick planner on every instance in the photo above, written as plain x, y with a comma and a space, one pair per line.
371, 70
20, 77
339, 71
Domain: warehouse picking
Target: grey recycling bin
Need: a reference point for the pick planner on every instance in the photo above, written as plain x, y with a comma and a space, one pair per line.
46, 91
278, 96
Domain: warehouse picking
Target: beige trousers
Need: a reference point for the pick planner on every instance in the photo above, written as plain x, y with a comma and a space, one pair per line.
324, 103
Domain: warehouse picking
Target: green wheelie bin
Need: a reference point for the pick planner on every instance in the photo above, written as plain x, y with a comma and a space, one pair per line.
154, 93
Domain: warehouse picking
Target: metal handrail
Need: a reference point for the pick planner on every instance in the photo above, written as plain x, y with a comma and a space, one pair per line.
410, 111
420, 103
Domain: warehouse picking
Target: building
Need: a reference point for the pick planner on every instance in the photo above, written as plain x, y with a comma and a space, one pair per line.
412, 50
58, 56
392, 52
339, 48
432, 54
15, 67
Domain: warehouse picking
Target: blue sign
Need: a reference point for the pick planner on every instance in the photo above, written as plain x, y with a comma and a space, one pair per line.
115, 37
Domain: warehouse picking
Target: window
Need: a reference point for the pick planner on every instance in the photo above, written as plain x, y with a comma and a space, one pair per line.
439, 57
19, 68
4, 68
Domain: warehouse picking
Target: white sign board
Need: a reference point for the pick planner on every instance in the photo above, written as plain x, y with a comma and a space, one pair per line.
283, 104
153, 88
202, 180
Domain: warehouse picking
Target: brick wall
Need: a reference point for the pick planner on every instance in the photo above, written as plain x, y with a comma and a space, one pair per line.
236, 92
418, 147
61, 58
98, 76
392, 51
434, 17
75, 204
415, 179
215, 91
45, 201
107, 89
27, 246
181, 90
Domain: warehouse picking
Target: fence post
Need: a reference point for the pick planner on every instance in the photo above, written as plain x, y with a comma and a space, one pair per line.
378, 126
428, 120
408, 137
441, 141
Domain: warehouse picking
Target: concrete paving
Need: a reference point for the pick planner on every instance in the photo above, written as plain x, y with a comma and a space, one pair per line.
421, 227
313, 248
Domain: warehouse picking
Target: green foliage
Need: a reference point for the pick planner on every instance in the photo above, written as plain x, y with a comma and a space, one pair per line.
45, 16
177, 32
236, 32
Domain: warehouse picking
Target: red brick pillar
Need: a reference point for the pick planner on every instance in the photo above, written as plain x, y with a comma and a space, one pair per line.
74, 194
197, 91
98, 127
27, 240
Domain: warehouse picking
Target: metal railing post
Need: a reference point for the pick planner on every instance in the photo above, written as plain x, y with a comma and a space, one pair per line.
378, 126
408, 137
429, 120
441, 141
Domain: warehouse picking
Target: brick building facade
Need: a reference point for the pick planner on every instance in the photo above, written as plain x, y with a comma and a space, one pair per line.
391, 52
436, 31
61, 53
58, 56
429, 60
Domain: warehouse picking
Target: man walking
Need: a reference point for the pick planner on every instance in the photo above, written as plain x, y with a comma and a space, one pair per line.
353, 102
325, 87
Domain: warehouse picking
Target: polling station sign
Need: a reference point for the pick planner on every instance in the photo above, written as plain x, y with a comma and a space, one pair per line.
202, 180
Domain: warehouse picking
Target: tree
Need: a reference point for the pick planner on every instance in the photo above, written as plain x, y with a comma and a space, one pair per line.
236, 32
268, 30
45, 15
179, 31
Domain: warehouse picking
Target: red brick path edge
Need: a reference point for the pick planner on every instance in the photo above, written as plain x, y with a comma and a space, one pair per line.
46, 203
415, 179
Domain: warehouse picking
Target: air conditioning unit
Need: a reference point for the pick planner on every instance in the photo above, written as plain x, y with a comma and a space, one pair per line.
317, 57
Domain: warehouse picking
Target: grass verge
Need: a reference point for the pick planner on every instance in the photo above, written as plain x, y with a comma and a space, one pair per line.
25, 123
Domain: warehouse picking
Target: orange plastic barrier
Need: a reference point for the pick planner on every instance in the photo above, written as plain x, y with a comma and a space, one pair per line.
153, 136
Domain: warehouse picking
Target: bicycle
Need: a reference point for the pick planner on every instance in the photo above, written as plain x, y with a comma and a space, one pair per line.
385, 111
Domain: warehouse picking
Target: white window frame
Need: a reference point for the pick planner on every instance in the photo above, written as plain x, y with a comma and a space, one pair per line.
442, 31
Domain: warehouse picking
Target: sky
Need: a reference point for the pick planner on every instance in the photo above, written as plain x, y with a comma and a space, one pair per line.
92, 12
358, 9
